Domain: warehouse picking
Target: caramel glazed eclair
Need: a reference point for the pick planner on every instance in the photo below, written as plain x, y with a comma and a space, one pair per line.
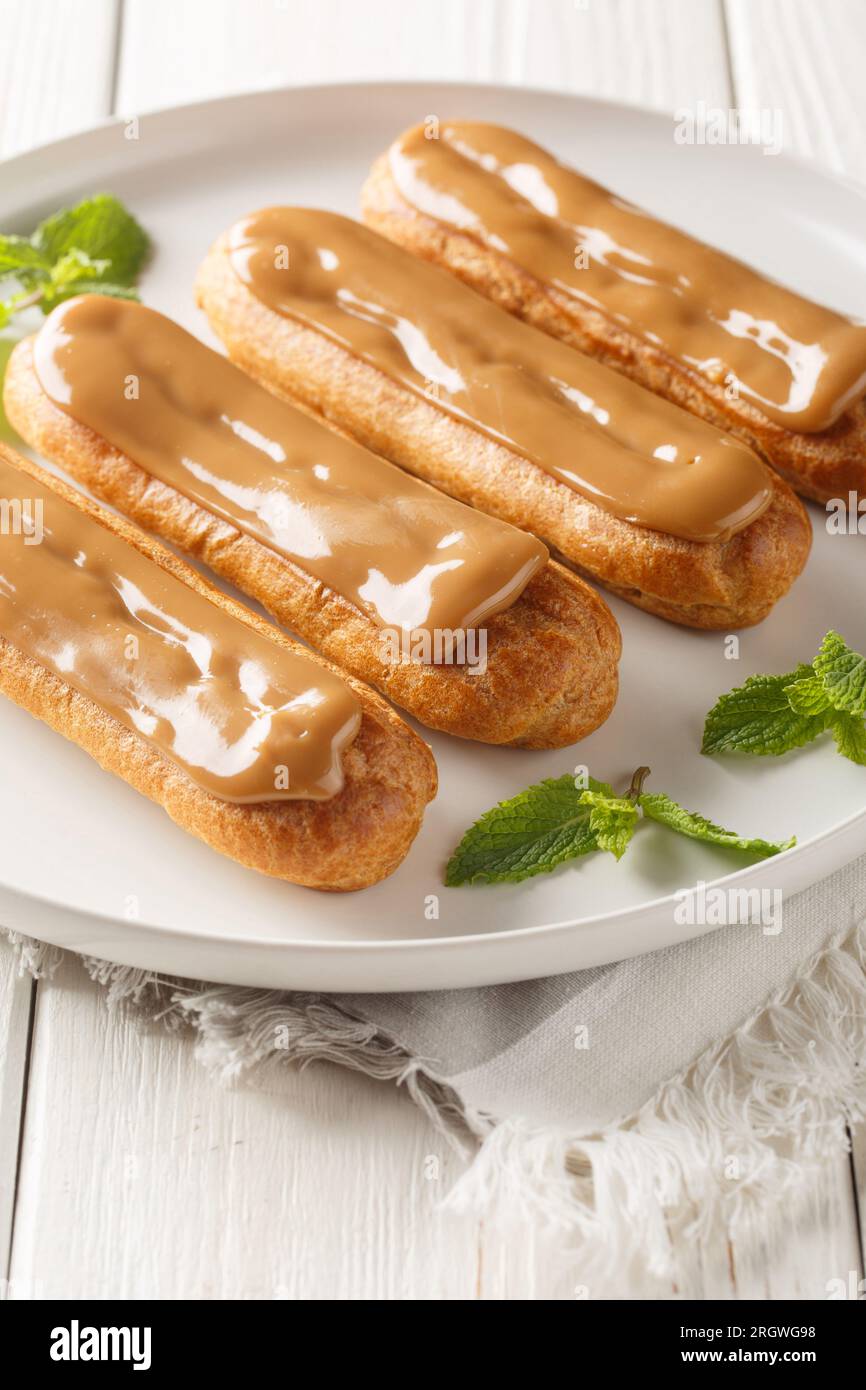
662, 509
460, 619
701, 329
246, 739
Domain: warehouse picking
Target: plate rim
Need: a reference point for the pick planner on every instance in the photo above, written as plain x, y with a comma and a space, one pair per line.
811, 165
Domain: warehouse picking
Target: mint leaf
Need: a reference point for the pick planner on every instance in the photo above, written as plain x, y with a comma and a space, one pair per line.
842, 673
612, 820
807, 696
77, 265
849, 731
96, 247
67, 275
529, 834
77, 273
90, 287
19, 257
758, 717
772, 714
102, 229
667, 812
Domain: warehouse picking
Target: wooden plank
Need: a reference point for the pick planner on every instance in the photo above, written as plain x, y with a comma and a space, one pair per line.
807, 61
655, 53
858, 1175
320, 1185
56, 69
658, 53
794, 1250
268, 42
16, 996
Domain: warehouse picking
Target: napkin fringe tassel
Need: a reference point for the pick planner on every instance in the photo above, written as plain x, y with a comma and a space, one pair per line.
739, 1131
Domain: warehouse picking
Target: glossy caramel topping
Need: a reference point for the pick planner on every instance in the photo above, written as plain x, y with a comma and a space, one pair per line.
633, 454
405, 554
799, 363
245, 719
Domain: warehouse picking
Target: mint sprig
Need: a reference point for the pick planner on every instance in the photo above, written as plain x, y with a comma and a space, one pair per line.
95, 247
775, 714
758, 717
529, 834
565, 818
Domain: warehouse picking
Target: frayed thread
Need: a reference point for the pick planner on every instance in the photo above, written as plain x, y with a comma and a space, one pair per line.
738, 1133
35, 958
239, 1030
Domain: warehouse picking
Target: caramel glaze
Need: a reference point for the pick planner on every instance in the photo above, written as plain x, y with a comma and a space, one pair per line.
246, 720
405, 554
801, 364
638, 457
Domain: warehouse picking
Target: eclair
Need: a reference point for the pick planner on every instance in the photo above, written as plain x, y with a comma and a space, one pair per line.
250, 742
460, 619
785, 375
662, 509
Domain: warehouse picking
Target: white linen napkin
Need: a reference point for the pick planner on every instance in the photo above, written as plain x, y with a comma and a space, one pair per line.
613, 1105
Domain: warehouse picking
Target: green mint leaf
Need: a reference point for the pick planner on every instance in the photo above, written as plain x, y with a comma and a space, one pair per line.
96, 247
612, 820
807, 696
19, 257
77, 265
529, 834
842, 673
849, 731
95, 287
73, 270
75, 273
102, 229
758, 718
667, 812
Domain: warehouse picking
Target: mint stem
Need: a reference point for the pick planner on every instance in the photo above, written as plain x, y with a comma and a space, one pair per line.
26, 299
638, 778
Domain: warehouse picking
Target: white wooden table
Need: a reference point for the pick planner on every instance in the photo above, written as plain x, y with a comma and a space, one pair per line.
124, 1170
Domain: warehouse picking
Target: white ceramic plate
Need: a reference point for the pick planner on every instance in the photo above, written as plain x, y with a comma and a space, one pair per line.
87, 863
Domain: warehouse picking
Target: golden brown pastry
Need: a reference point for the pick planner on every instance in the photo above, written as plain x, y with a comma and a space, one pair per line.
695, 326
338, 545
71, 634
422, 370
